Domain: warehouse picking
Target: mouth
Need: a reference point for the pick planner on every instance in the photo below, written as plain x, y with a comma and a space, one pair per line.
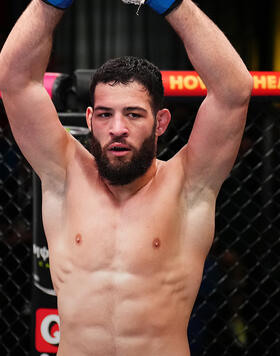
119, 149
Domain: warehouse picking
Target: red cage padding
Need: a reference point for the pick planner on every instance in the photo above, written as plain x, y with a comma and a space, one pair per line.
188, 83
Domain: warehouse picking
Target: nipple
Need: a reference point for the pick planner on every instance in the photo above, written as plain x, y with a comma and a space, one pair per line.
156, 243
78, 239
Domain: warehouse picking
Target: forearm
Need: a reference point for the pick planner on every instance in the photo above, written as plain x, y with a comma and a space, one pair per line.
211, 54
25, 55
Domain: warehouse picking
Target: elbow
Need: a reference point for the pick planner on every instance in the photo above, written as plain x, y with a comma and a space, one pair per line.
6, 76
248, 85
236, 91
3, 75
242, 91
4, 83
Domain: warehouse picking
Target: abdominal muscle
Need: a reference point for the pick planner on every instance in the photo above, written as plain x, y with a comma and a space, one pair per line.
116, 313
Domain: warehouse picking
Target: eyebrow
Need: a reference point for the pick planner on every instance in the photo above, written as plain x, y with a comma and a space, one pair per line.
129, 108
135, 108
103, 108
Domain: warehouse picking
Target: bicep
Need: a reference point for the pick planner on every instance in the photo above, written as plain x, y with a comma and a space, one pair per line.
214, 143
37, 130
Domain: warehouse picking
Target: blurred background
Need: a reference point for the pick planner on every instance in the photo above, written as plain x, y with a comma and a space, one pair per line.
96, 30
237, 310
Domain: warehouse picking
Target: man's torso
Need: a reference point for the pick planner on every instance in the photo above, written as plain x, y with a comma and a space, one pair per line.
126, 274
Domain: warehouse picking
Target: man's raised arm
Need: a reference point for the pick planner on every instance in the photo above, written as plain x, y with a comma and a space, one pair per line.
219, 125
32, 116
215, 139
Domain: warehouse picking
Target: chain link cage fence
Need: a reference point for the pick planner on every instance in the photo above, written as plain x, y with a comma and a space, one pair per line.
15, 245
237, 309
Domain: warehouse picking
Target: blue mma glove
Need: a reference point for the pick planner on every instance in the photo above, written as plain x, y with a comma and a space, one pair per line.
163, 7
59, 4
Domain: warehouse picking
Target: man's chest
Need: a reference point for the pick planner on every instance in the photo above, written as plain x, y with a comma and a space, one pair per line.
142, 233
98, 234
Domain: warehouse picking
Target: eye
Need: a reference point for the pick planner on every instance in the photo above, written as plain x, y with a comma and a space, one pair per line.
133, 115
104, 115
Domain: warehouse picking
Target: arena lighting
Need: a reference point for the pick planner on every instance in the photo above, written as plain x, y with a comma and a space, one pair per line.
188, 83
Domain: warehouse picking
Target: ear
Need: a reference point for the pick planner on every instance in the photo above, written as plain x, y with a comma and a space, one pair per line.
89, 115
163, 118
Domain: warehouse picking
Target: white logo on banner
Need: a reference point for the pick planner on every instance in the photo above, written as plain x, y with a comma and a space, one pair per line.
42, 252
45, 329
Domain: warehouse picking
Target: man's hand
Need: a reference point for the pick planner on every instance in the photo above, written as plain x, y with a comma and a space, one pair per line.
59, 4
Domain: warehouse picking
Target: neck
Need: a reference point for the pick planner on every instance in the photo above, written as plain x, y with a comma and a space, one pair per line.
123, 192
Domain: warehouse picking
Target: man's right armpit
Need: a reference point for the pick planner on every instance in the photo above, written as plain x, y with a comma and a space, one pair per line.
59, 4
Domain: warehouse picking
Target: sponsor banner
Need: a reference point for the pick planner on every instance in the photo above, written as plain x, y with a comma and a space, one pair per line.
188, 83
41, 266
182, 83
45, 321
47, 331
266, 83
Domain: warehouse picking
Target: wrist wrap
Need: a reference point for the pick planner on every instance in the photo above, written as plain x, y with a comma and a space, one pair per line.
59, 4
163, 7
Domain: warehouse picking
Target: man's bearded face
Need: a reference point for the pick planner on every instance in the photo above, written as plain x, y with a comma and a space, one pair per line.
125, 168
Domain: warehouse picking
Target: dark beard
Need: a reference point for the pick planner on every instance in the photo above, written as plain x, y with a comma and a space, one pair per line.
124, 173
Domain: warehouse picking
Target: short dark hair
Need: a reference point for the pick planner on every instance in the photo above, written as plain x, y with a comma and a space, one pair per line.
129, 69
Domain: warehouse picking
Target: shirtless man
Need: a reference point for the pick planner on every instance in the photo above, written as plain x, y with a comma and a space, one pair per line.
126, 249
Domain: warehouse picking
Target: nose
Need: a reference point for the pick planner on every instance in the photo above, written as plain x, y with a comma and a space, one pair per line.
118, 126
